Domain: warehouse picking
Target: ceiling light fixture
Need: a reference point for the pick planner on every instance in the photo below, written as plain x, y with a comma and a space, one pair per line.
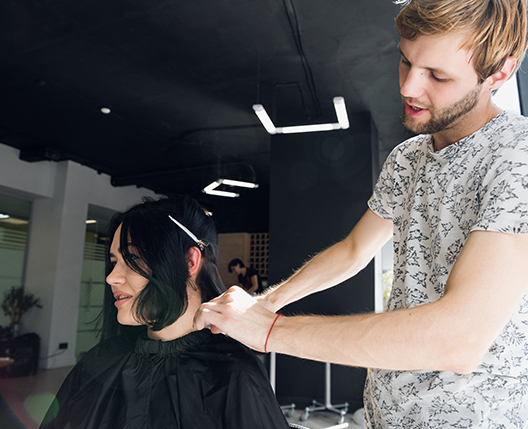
211, 188
341, 124
264, 118
341, 112
4, 216
238, 183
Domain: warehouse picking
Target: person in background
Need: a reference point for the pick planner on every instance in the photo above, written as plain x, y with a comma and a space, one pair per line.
248, 278
151, 368
452, 351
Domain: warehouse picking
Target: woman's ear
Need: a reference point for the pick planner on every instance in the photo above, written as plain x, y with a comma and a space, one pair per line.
194, 258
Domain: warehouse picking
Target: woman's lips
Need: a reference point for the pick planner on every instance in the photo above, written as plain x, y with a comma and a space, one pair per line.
121, 298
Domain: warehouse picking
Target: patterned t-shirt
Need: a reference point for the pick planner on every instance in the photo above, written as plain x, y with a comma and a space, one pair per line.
435, 200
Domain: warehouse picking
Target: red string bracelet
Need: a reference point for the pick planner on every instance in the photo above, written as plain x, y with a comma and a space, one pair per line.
269, 333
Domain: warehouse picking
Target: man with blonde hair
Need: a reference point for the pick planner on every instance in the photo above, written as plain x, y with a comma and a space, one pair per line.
453, 349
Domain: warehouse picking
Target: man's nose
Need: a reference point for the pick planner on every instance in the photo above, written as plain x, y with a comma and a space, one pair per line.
412, 84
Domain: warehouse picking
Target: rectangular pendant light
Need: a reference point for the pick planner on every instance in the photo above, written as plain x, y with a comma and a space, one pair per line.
222, 193
341, 124
211, 188
240, 184
340, 108
309, 128
264, 118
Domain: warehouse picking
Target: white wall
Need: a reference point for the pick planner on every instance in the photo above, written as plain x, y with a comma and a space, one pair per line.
60, 195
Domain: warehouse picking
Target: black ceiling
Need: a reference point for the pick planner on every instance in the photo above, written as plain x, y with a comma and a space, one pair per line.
180, 78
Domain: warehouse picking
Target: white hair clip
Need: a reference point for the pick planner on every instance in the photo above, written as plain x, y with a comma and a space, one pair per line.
200, 243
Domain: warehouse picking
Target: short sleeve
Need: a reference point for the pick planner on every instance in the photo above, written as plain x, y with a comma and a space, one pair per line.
381, 201
504, 201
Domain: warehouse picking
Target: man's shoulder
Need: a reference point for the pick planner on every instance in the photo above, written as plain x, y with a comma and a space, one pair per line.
417, 142
410, 150
511, 123
510, 132
514, 117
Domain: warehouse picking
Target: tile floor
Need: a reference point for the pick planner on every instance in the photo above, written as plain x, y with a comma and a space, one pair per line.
328, 420
28, 398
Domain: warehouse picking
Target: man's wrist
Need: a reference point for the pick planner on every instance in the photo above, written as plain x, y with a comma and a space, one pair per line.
271, 299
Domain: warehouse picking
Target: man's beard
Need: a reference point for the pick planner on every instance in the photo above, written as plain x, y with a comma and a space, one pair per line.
445, 117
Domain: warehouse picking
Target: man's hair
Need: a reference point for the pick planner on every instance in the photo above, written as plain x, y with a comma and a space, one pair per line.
497, 29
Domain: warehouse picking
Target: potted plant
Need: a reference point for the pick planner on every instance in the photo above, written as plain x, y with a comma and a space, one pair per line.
15, 304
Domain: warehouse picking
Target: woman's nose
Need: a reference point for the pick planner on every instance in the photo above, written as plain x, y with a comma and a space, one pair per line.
116, 276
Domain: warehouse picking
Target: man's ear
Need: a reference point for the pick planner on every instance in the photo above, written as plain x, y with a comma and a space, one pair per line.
497, 79
194, 257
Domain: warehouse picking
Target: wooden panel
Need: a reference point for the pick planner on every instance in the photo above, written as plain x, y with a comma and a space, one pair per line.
231, 246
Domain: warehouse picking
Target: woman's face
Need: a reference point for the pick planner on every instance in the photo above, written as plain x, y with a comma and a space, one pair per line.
125, 282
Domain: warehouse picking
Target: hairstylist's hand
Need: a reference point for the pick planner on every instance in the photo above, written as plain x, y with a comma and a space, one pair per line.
238, 315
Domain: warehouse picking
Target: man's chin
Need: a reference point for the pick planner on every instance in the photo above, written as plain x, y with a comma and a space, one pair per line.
428, 127
412, 126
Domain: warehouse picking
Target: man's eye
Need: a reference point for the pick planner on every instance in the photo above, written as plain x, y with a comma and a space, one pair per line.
438, 79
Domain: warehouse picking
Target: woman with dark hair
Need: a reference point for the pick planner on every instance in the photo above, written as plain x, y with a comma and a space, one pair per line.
248, 278
151, 369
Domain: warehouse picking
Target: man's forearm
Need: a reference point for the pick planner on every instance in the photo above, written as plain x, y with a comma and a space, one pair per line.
390, 341
452, 333
328, 268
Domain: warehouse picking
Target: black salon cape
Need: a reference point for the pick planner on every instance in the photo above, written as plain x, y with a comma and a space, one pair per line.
197, 381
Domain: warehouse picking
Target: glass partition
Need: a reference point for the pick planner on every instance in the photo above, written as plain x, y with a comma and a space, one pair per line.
14, 220
92, 284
